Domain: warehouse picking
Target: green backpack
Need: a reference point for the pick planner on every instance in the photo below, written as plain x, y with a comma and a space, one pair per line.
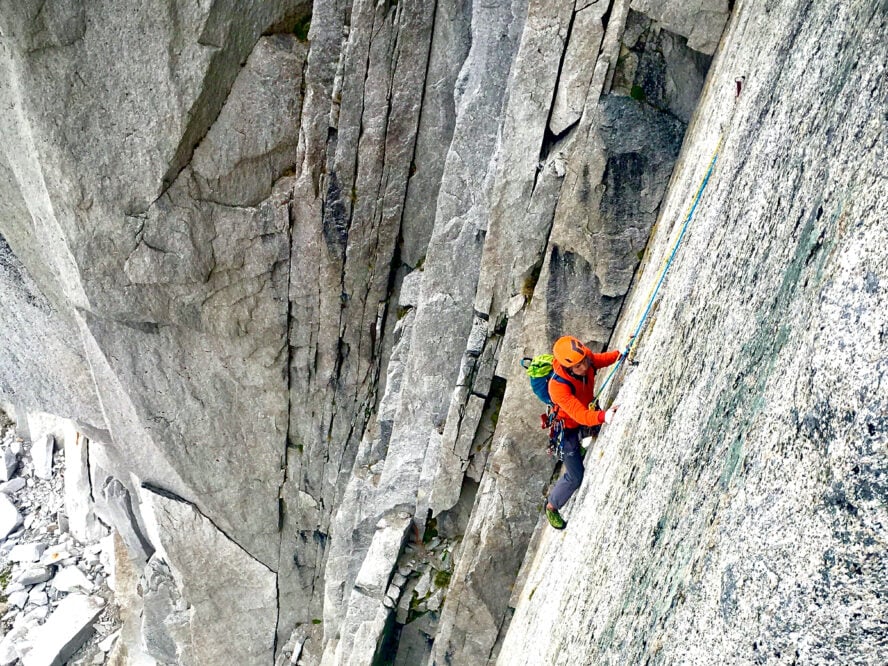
539, 370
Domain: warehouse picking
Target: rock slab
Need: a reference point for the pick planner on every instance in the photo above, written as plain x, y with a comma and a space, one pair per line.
41, 453
63, 632
232, 596
10, 518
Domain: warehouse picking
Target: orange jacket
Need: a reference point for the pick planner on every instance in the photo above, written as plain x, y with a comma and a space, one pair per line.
574, 405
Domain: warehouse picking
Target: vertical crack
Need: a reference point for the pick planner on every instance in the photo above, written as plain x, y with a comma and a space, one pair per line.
88, 475
548, 139
284, 462
287, 342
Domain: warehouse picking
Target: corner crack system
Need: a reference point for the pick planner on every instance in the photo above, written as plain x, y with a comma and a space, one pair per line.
548, 139
288, 378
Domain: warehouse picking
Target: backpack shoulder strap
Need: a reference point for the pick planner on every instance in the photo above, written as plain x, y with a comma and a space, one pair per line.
556, 409
562, 380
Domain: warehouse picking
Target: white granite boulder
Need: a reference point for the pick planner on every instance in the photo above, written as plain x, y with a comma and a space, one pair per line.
35, 575
71, 578
10, 518
69, 626
27, 552
12, 486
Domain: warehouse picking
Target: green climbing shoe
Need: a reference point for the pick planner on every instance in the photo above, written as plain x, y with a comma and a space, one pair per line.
555, 519
583, 450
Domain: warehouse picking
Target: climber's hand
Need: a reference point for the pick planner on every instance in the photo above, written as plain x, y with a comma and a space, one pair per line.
610, 413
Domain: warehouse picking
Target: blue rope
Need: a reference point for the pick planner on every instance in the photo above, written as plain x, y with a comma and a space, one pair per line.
653, 297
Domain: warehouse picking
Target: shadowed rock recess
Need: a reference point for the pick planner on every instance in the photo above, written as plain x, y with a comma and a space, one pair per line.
275, 263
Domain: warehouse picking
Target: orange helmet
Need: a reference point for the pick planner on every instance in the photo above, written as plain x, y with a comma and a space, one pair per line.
569, 351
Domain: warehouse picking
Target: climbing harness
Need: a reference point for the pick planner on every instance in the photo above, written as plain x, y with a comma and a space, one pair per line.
634, 337
555, 424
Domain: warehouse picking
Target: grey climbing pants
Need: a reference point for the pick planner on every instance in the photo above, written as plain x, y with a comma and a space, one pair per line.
573, 469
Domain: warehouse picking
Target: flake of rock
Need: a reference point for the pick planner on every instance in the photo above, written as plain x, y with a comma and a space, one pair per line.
71, 578
10, 518
8, 466
77, 488
106, 557
388, 602
399, 579
41, 455
107, 643
18, 599
407, 595
27, 552
424, 584
477, 337
388, 540
435, 601
64, 631
515, 304
35, 575
410, 289
38, 598
15, 446
13, 587
54, 555
393, 592
292, 649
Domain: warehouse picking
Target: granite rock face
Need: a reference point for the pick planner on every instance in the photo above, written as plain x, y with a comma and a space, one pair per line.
735, 511
278, 262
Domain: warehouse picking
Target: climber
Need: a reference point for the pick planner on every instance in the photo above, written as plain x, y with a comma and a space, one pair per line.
572, 390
